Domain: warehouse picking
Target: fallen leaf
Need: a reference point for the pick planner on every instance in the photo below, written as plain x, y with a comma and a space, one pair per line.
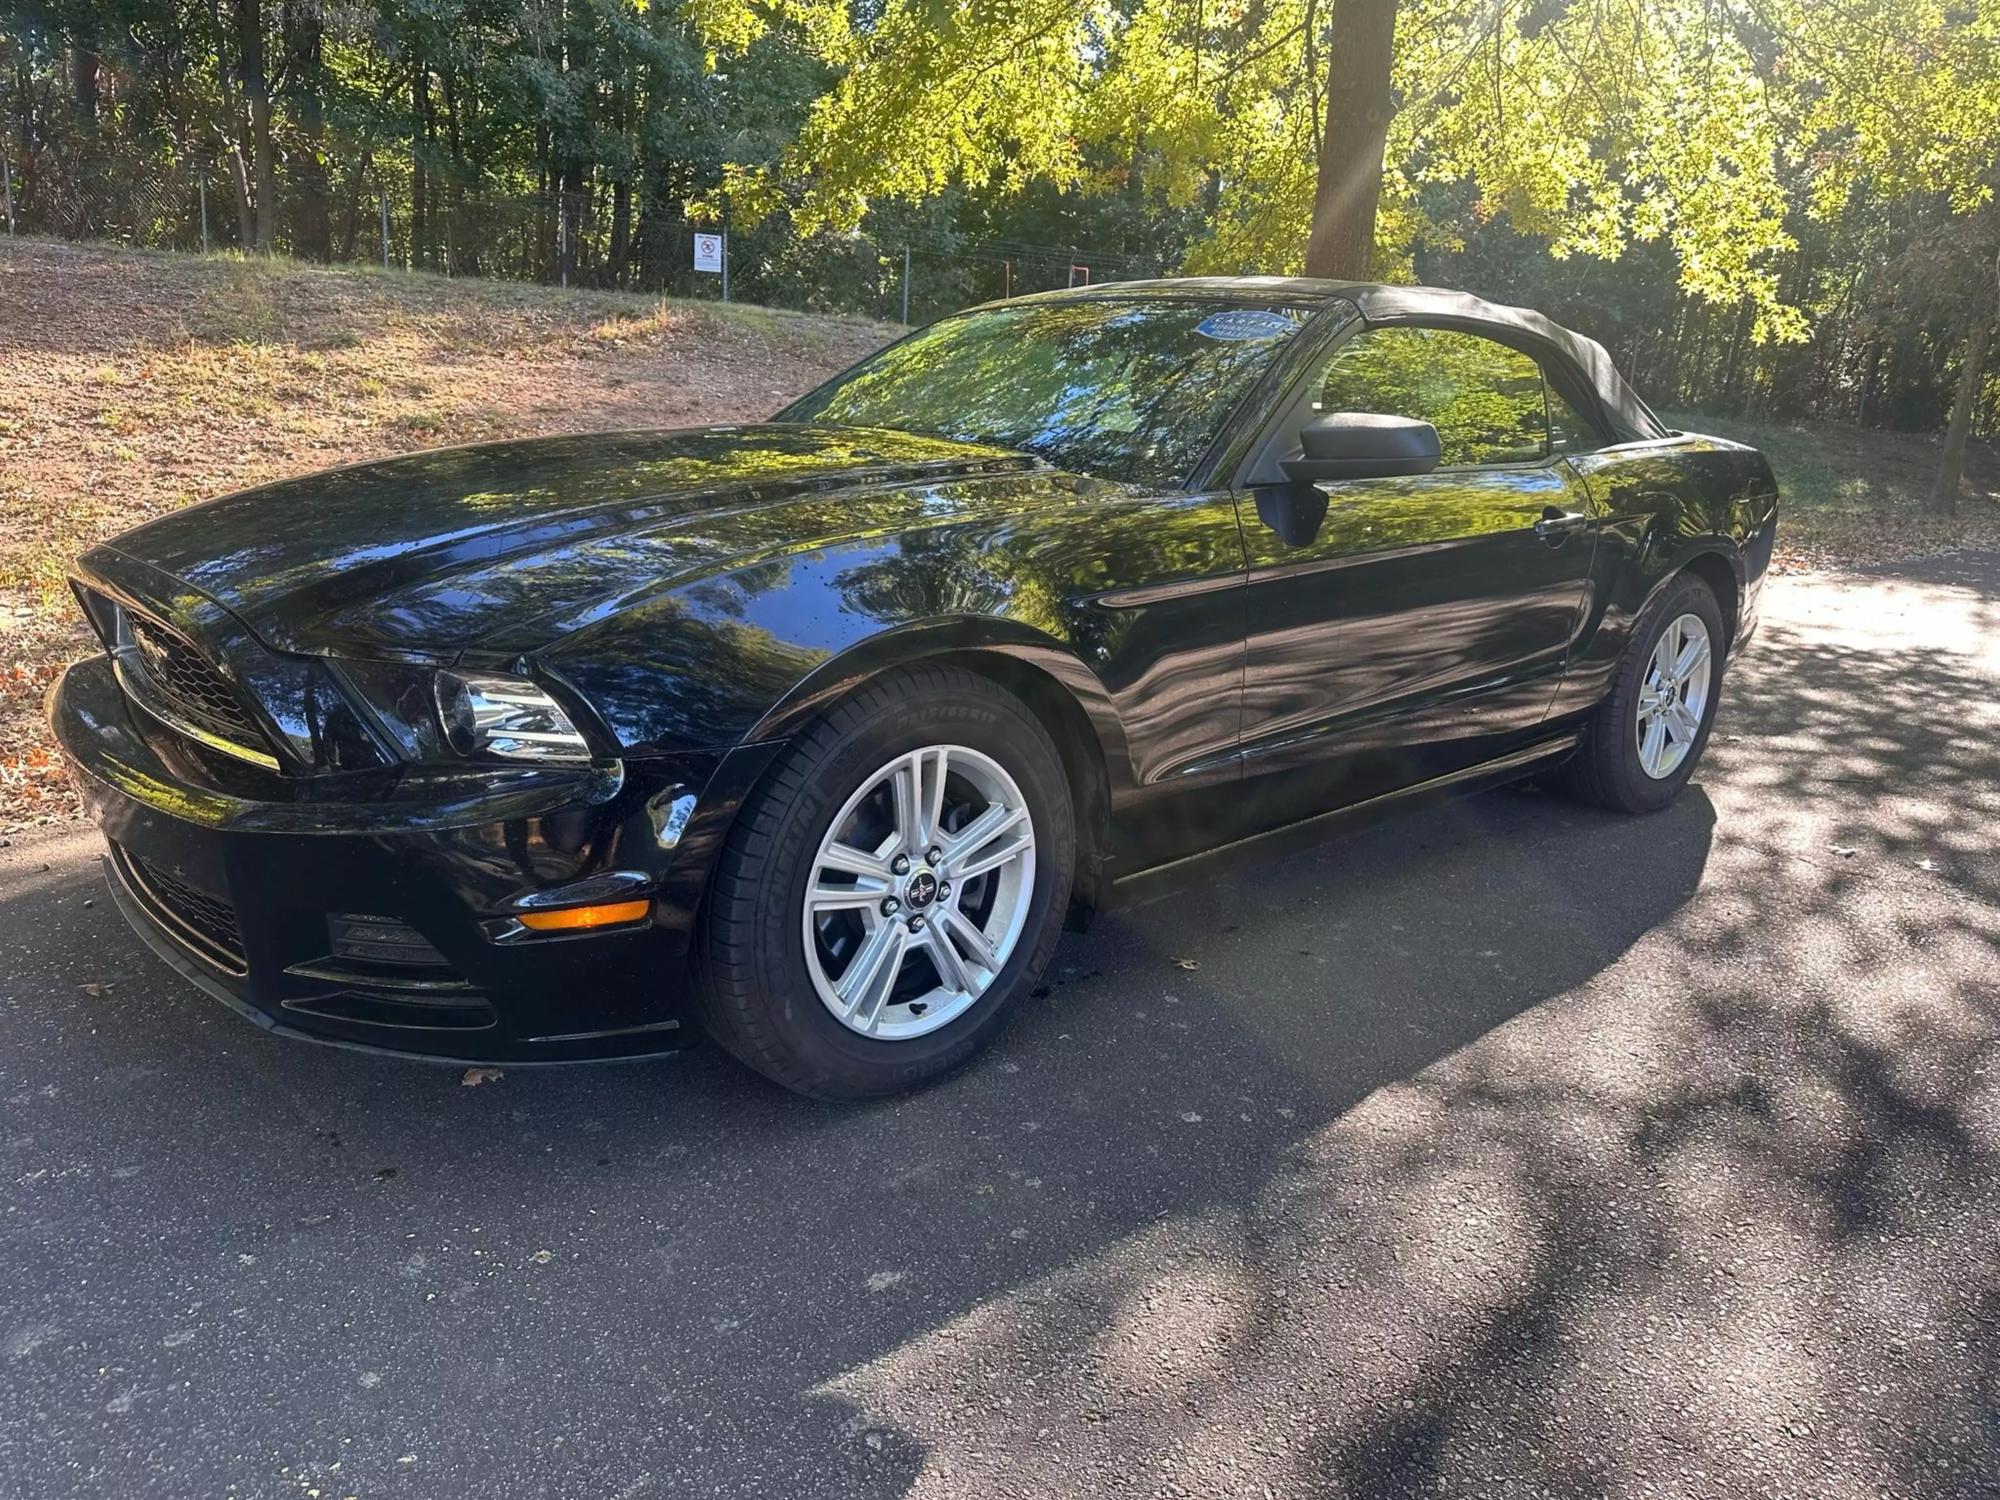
97, 989
476, 1076
542, 1257
1186, 963
1843, 850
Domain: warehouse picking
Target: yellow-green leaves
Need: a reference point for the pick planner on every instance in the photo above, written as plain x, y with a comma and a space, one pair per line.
732, 25
936, 93
1602, 124
1902, 93
1592, 124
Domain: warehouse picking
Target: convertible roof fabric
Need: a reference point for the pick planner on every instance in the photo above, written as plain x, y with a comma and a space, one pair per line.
1630, 418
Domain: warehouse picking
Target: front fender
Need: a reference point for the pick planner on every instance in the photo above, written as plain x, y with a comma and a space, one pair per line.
965, 636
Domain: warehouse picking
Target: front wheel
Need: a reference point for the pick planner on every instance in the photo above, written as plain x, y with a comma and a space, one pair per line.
1643, 743
891, 889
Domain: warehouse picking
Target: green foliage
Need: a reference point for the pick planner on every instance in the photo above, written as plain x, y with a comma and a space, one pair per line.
1592, 127
1484, 399
1759, 204
1901, 95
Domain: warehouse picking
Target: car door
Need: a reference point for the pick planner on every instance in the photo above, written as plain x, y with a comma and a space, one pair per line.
1404, 628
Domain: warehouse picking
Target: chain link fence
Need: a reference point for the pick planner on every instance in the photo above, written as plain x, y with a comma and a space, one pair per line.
608, 238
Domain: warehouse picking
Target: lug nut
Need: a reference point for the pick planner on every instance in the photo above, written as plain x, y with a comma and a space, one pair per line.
890, 906
944, 890
917, 923
935, 855
900, 865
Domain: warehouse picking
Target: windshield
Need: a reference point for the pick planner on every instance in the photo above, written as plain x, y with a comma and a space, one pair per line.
1134, 390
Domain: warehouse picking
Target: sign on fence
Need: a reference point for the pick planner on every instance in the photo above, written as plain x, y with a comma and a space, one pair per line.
708, 252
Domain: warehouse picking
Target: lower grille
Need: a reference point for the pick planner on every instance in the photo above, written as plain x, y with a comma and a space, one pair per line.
203, 923
380, 940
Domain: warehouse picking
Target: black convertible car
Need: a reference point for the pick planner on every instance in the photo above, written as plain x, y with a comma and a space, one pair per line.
813, 731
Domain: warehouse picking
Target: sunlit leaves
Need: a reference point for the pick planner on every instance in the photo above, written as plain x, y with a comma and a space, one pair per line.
978, 92
1591, 124
1902, 93
1605, 123
732, 25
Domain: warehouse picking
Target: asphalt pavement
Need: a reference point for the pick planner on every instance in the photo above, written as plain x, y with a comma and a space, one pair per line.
1511, 1149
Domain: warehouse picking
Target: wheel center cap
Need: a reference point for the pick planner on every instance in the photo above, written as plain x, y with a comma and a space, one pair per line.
921, 891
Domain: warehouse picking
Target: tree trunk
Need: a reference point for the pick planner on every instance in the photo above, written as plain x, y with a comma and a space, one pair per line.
457, 258
621, 192
572, 179
420, 221
239, 173
1971, 370
85, 70
24, 108
1670, 354
1361, 46
621, 231
257, 94
569, 206
357, 181
305, 53
1732, 359
1871, 378
1697, 385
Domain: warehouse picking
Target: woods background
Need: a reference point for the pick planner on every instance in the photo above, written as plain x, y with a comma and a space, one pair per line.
1766, 208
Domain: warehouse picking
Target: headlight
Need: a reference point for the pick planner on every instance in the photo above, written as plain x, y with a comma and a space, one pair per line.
505, 716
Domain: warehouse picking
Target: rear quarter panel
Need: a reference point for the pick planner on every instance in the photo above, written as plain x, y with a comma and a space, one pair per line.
1666, 505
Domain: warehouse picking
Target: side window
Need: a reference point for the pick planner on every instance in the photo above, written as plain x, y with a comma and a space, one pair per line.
1568, 432
1485, 399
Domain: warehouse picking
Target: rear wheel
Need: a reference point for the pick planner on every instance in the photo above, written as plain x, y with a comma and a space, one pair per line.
891, 889
1644, 741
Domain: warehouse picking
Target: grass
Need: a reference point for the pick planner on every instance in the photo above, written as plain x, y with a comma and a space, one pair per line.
1853, 495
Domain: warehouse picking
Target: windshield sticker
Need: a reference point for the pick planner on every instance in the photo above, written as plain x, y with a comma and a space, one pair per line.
1246, 324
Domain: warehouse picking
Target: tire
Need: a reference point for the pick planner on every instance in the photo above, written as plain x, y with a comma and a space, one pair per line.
771, 975
1610, 767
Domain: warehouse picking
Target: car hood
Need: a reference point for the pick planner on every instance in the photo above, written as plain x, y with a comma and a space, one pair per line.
429, 554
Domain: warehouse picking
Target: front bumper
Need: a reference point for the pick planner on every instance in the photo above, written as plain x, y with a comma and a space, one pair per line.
232, 873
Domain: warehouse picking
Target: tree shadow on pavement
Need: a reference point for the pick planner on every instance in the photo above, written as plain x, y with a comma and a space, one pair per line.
1512, 1148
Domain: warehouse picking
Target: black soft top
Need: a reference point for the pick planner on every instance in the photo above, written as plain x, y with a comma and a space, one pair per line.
1584, 361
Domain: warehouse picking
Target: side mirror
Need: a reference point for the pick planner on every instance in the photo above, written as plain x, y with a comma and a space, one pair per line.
1362, 445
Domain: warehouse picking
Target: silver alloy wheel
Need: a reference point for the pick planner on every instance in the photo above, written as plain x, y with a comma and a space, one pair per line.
1673, 696
919, 892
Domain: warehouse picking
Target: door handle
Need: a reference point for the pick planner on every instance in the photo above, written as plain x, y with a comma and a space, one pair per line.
1556, 525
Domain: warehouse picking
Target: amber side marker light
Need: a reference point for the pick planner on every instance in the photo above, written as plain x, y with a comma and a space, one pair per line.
577, 918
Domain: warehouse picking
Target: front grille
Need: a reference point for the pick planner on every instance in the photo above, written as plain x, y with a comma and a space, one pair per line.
188, 682
202, 922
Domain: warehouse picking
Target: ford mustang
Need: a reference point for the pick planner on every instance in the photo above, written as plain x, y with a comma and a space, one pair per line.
812, 734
